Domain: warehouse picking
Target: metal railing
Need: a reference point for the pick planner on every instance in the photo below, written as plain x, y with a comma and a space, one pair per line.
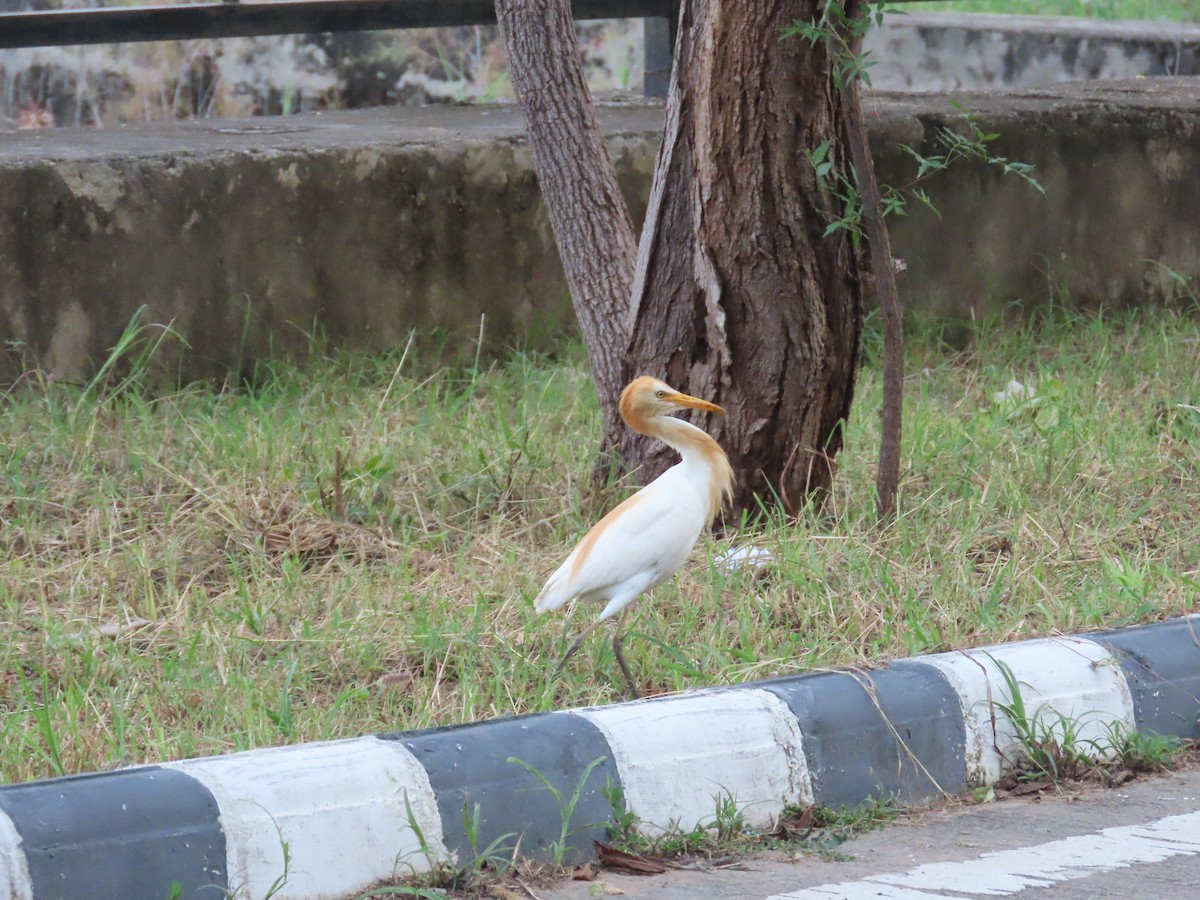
111, 25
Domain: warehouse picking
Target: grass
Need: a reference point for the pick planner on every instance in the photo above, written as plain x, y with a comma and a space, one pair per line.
799, 830
822, 831
724, 831
186, 572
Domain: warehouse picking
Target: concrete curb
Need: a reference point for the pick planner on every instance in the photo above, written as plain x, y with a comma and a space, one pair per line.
359, 812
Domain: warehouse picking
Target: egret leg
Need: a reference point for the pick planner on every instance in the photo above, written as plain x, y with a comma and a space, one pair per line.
617, 642
575, 646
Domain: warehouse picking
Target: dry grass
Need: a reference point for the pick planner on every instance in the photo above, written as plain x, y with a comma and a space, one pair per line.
354, 546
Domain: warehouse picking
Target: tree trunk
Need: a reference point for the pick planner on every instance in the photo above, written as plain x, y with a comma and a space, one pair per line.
738, 297
589, 216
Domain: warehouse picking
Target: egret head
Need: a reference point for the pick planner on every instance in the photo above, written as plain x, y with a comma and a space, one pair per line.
646, 397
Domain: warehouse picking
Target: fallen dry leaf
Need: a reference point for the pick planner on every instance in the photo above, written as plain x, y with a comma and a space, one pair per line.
584, 873
799, 825
630, 862
1032, 787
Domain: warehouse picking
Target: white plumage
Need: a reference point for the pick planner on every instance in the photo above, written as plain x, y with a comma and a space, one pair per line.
644, 541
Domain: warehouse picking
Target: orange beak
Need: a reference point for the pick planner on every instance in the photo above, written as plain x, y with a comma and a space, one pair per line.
694, 403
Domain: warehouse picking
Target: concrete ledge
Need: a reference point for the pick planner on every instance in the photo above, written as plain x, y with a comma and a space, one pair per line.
250, 237
356, 813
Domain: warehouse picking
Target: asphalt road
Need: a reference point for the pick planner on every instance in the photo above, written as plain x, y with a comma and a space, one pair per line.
1141, 840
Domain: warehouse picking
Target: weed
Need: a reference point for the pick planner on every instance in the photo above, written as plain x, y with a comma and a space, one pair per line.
438, 872
1141, 751
124, 371
729, 821
432, 860
851, 820
1049, 741
282, 714
1053, 748
810, 829
400, 890
623, 827
821, 830
566, 808
44, 725
727, 829
281, 880
489, 855
1185, 294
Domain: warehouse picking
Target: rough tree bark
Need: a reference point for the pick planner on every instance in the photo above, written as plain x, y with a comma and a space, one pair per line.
588, 214
738, 296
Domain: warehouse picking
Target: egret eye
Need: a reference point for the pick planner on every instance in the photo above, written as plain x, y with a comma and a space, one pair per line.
660, 394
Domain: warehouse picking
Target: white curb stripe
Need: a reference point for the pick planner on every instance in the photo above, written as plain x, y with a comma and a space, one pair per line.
339, 805
1074, 677
675, 756
1008, 872
14, 871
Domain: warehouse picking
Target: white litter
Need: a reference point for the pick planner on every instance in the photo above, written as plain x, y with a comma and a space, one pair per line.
748, 557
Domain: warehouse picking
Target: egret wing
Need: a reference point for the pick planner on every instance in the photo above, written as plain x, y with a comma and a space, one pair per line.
637, 545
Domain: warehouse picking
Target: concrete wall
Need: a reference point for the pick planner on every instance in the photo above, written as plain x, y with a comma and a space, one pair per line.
956, 51
250, 236
926, 51
1119, 162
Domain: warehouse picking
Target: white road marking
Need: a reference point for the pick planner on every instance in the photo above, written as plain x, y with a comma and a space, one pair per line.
1007, 872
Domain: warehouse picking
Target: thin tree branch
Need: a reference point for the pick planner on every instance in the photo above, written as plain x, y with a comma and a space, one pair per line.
887, 483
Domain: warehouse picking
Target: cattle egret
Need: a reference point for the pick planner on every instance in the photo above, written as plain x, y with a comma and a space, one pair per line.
643, 541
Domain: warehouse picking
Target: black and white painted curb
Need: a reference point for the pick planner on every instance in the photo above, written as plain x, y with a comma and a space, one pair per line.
355, 813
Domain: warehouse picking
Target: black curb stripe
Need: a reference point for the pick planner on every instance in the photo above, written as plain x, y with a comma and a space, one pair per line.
1161, 663
895, 732
119, 834
468, 766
